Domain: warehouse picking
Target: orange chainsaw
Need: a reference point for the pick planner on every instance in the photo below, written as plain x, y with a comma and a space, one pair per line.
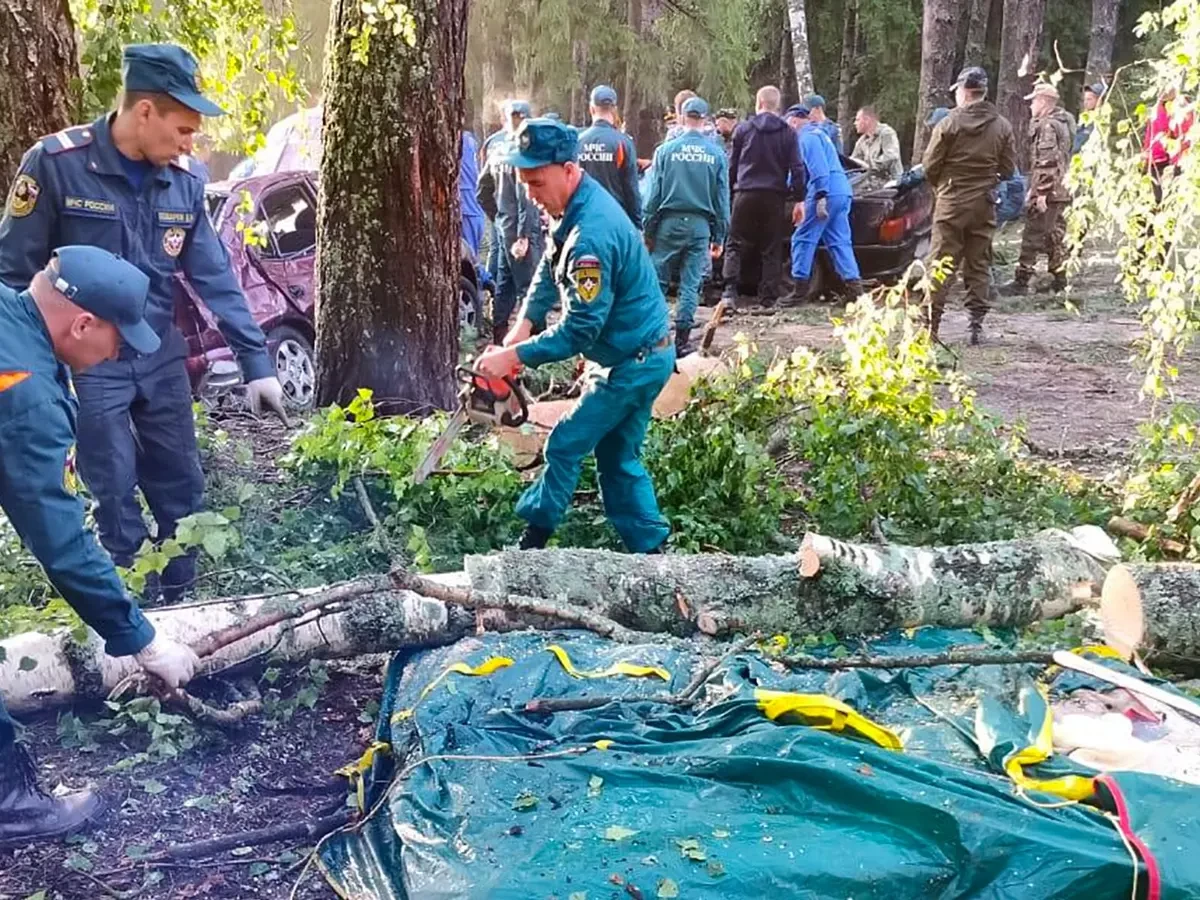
484, 399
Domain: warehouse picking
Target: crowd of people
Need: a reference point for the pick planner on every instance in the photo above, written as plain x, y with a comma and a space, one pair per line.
723, 188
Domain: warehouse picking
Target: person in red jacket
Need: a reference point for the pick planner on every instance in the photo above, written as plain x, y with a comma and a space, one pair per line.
1167, 136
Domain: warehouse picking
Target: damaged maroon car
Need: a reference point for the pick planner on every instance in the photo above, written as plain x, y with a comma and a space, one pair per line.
275, 272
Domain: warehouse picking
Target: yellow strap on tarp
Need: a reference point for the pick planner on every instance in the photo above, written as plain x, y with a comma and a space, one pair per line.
485, 668
356, 771
824, 713
1069, 787
622, 668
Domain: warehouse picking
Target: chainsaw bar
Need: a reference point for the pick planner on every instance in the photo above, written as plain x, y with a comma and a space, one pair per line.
441, 445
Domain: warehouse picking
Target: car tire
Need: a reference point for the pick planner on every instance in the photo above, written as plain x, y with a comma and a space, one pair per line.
470, 310
295, 366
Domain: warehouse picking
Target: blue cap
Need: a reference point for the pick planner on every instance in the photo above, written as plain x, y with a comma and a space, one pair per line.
812, 101
694, 108
518, 108
797, 110
973, 78
603, 95
543, 142
937, 115
166, 69
1097, 88
108, 287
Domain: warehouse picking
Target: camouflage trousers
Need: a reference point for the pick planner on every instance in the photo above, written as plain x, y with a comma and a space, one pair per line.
1044, 233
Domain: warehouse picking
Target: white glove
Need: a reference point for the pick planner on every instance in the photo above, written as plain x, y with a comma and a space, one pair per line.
173, 662
267, 393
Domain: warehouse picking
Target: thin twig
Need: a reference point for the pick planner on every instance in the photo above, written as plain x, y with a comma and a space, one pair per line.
704, 674
956, 657
551, 705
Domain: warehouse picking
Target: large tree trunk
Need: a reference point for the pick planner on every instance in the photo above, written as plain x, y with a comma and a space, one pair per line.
1104, 32
849, 74
939, 41
1019, 48
801, 58
37, 67
975, 47
630, 107
786, 66
388, 251
852, 589
1164, 599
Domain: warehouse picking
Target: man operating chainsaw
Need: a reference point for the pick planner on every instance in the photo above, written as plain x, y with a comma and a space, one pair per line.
614, 314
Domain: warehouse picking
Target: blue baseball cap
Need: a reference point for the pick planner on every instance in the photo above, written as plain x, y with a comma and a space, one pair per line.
937, 115
603, 95
543, 142
518, 108
812, 101
797, 110
166, 69
694, 108
108, 287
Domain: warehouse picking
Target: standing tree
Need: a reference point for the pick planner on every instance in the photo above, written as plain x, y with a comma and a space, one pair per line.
975, 48
849, 74
37, 67
939, 41
1019, 44
798, 25
388, 221
1104, 33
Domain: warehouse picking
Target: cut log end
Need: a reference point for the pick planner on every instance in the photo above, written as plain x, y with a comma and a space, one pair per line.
1121, 611
810, 562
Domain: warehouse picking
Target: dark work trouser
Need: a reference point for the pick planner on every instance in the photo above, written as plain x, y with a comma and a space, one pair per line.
963, 234
512, 281
1045, 232
136, 431
757, 225
8, 728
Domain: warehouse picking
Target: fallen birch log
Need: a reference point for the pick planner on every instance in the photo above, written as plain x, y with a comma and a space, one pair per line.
828, 586
38, 671
1154, 605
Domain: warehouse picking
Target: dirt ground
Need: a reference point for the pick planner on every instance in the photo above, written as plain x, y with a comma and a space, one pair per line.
1065, 373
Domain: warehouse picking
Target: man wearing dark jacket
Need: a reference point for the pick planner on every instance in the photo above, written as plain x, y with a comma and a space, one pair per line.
969, 153
764, 170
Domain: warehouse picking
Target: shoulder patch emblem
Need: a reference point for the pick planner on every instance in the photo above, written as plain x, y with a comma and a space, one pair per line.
23, 197
173, 239
586, 275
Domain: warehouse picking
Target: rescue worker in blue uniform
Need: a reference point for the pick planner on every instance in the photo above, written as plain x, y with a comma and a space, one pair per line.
468, 177
824, 216
517, 222
75, 314
687, 214
615, 316
125, 183
607, 154
514, 111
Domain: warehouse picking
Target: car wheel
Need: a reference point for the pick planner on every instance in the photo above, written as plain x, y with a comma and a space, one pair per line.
470, 307
295, 366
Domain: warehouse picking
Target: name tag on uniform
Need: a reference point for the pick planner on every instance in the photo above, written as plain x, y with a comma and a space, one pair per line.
89, 206
169, 217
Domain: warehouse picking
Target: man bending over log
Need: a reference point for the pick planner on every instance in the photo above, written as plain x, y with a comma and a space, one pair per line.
75, 314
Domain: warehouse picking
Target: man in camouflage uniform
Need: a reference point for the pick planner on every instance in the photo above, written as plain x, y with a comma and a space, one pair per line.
1051, 135
969, 153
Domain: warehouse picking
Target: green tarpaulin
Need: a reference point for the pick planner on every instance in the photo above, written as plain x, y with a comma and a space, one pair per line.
478, 798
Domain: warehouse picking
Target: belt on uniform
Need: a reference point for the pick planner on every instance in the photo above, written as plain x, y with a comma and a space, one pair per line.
662, 344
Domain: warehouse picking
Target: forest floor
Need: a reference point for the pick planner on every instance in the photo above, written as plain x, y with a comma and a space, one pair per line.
1065, 373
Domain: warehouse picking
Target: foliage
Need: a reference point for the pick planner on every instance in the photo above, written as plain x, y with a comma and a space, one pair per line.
1114, 197
1164, 465
247, 54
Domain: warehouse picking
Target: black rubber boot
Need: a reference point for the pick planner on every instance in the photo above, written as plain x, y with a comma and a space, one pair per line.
27, 813
1059, 284
854, 289
797, 295
534, 538
683, 341
976, 333
1018, 287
